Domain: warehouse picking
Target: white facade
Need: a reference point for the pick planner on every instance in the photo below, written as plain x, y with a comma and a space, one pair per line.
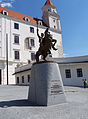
74, 80
23, 32
78, 68
23, 73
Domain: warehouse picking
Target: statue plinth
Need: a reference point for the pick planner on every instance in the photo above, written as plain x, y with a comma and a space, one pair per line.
46, 87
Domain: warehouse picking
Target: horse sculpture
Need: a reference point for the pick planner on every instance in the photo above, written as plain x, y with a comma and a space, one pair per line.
46, 43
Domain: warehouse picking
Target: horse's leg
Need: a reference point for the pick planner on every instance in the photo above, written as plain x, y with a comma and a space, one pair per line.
44, 56
38, 53
49, 51
54, 47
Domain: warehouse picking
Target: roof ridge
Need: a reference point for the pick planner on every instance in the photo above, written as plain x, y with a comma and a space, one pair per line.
15, 12
20, 16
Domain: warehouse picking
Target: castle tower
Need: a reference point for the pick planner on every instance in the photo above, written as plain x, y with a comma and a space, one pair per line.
52, 20
50, 16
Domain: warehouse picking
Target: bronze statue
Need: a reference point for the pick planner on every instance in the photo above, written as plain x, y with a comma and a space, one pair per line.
46, 43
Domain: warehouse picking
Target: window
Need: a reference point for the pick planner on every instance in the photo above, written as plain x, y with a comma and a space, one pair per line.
79, 72
16, 26
28, 78
16, 39
16, 53
26, 19
32, 42
5, 12
54, 26
27, 43
22, 79
68, 73
29, 61
31, 29
17, 80
32, 56
40, 22
49, 10
53, 20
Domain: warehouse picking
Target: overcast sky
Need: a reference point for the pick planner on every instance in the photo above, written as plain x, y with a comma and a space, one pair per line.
73, 16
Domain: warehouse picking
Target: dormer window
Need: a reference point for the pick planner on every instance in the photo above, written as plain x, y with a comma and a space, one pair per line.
26, 19
40, 22
5, 12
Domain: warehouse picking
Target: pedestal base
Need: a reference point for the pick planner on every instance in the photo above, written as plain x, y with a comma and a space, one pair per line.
46, 87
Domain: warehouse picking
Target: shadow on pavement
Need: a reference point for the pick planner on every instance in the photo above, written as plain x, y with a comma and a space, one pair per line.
19, 103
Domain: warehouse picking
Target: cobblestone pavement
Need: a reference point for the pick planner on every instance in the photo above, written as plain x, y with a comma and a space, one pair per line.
14, 105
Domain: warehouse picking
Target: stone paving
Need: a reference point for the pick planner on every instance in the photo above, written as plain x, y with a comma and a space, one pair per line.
14, 105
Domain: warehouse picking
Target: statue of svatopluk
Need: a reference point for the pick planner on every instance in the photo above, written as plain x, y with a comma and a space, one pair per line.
46, 43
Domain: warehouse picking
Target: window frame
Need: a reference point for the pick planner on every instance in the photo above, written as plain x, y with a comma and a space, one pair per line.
54, 27
49, 10
31, 29
32, 56
32, 42
54, 20
28, 77
17, 81
16, 56
16, 26
22, 79
40, 23
5, 11
68, 73
79, 72
26, 19
15, 40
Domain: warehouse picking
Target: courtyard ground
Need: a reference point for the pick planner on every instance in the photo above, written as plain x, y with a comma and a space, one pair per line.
14, 104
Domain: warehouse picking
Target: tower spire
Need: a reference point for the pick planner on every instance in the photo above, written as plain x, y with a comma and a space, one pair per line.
48, 2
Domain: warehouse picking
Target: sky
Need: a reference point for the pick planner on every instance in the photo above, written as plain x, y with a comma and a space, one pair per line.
73, 18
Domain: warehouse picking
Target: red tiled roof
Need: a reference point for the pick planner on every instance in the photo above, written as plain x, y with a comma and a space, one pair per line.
19, 15
48, 2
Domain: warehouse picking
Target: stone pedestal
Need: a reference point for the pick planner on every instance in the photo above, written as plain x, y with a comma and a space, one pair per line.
46, 87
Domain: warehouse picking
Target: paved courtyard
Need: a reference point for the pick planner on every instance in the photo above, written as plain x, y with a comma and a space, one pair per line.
14, 105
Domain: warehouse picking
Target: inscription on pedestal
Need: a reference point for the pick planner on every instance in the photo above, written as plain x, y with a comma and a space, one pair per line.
56, 87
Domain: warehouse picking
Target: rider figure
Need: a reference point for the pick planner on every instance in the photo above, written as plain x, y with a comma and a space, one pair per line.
40, 37
46, 43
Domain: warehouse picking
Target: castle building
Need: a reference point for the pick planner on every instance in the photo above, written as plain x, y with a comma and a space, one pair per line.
19, 41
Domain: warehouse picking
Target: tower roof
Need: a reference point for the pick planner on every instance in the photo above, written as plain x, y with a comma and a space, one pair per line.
48, 2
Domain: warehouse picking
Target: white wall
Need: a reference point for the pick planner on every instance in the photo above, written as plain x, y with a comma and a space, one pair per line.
74, 80
25, 74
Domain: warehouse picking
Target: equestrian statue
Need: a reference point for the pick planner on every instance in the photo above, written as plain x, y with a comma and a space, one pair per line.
46, 43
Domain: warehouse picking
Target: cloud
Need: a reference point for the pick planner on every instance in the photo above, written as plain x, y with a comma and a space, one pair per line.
7, 3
